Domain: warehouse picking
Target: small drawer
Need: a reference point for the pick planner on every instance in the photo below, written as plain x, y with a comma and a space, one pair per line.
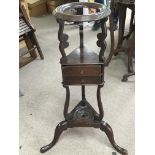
70, 80
88, 70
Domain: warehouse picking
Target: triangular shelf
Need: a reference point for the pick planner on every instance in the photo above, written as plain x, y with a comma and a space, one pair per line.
81, 56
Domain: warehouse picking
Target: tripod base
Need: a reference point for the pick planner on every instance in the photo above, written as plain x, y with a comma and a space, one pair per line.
83, 115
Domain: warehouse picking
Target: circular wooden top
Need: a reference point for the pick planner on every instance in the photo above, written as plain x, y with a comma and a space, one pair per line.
125, 1
81, 12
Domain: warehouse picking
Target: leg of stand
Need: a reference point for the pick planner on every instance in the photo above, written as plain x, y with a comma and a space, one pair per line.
59, 129
101, 112
66, 101
125, 77
131, 53
83, 93
81, 35
108, 130
122, 17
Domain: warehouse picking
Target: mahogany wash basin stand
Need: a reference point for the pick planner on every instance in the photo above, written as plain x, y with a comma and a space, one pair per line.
82, 67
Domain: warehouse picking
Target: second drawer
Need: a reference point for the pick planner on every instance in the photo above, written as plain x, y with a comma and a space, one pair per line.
89, 70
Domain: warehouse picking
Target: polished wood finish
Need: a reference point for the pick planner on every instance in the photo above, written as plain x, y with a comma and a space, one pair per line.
122, 6
122, 17
131, 54
82, 80
66, 101
81, 56
101, 39
78, 75
125, 1
86, 70
83, 115
83, 67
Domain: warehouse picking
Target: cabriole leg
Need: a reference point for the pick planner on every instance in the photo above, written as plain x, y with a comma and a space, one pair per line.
59, 129
108, 130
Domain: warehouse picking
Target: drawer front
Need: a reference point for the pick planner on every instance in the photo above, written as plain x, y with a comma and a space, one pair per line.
89, 70
70, 80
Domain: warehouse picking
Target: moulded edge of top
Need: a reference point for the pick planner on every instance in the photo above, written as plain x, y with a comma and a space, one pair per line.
104, 12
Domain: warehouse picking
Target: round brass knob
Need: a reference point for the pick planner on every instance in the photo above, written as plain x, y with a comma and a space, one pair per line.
82, 80
82, 72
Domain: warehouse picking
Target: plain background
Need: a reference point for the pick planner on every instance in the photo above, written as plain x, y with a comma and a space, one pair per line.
145, 78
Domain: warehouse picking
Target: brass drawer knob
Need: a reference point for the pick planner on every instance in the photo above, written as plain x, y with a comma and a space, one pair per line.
82, 80
82, 72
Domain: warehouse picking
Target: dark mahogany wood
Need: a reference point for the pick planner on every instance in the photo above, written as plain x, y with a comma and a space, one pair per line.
82, 80
81, 56
83, 92
112, 47
131, 53
122, 17
62, 38
108, 130
81, 35
101, 39
86, 70
66, 101
101, 112
122, 7
125, 77
83, 115
130, 56
59, 129
82, 67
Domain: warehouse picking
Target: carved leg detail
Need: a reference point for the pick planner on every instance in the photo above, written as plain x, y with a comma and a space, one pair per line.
66, 101
108, 130
101, 39
101, 112
59, 129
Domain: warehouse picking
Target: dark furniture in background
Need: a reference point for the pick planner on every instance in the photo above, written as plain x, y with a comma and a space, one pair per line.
122, 7
27, 34
82, 67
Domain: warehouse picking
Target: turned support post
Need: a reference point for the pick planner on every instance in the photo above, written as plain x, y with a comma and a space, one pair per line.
81, 35
83, 92
101, 112
66, 106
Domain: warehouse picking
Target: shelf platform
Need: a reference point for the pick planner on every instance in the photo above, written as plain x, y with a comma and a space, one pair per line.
81, 56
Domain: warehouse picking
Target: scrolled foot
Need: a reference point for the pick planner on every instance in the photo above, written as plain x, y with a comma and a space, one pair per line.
125, 78
108, 130
59, 129
45, 148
